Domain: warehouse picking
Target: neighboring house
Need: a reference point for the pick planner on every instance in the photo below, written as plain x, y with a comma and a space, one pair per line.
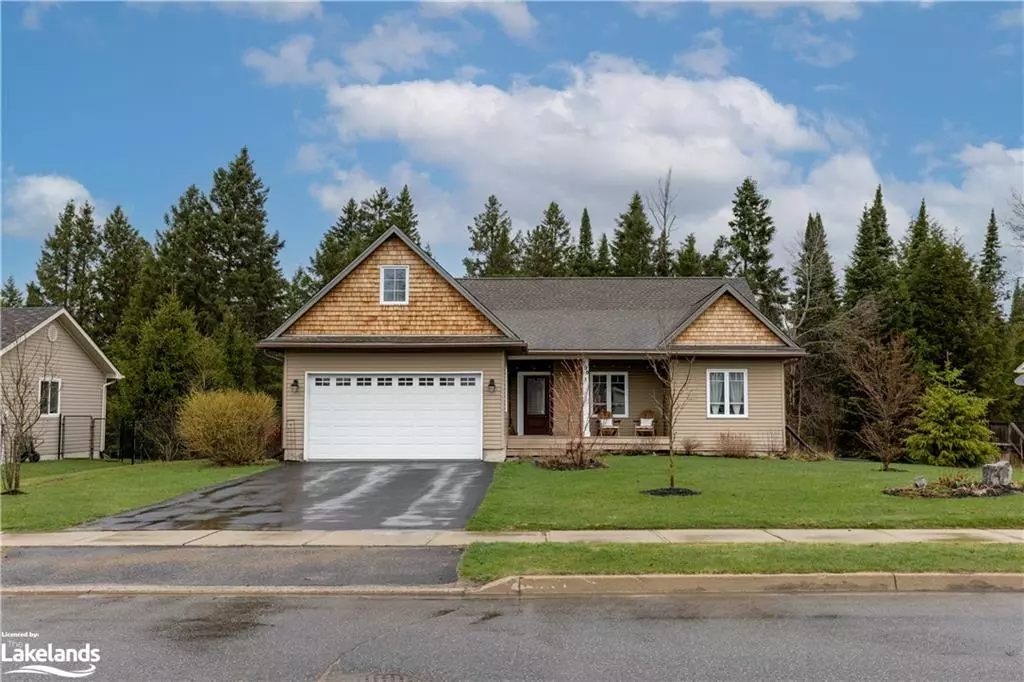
394, 358
1020, 379
48, 363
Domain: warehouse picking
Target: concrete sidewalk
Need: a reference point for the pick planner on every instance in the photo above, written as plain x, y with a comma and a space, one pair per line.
441, 538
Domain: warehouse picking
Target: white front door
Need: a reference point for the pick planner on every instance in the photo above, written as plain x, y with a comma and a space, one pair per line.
394, 415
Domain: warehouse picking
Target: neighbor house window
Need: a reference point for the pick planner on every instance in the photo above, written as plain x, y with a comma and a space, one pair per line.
49, 396
394, 284
608, 391
727, 393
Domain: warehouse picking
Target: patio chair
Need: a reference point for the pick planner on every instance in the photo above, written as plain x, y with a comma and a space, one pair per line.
645, 424
606, 425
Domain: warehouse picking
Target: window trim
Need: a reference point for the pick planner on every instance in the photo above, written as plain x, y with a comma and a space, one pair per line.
403, 268
608, 397
746, 393
60, 391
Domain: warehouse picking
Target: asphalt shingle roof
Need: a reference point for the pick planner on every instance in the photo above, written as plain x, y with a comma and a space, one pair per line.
595, 313
17, 321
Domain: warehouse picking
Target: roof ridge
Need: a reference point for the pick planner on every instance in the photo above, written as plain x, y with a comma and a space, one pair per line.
576, 277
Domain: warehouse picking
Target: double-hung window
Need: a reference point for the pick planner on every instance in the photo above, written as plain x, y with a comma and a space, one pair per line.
608, 391
727, 393
394, 284
49, 396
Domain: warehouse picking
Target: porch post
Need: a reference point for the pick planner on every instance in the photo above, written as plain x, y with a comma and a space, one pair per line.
586, 396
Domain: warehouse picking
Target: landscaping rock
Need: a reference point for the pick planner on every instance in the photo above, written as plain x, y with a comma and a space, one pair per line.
997, 474
920, 482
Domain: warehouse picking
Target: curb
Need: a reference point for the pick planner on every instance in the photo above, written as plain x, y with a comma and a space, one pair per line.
543, 586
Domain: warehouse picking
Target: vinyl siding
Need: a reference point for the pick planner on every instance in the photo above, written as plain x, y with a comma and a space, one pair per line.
298, 362
82, 390
765, 423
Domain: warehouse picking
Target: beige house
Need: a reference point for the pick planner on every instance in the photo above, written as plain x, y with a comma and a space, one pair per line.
396, 359
53, 374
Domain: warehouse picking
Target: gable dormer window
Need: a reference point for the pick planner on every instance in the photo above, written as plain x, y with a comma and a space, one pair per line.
394, 284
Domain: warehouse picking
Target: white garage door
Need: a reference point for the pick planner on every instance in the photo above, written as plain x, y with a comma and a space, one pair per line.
394, 416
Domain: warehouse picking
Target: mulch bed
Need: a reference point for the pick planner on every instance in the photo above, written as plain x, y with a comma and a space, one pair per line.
969, 490
665, 492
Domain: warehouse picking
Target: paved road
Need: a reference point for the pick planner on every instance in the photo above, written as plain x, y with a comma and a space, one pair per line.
230, 566
814, 637
324, 496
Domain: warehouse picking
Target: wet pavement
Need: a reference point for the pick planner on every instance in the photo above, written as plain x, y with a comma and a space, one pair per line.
324, 496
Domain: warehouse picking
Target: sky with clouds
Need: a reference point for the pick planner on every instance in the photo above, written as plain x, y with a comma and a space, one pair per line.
580, 103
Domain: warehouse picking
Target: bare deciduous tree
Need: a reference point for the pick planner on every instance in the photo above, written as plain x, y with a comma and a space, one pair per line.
1016, 221
21, 371
661, 205
568, 395
674, 375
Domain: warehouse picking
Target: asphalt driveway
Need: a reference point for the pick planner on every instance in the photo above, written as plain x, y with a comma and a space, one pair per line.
324, 496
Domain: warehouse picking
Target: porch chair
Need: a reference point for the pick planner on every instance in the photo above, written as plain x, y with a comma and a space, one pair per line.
645, 424
606, 426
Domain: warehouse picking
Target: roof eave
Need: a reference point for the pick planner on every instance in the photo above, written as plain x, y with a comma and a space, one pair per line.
279, 344
710, 299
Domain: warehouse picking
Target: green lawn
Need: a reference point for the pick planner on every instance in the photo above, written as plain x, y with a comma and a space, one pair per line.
483, 562
66, 493
735, 493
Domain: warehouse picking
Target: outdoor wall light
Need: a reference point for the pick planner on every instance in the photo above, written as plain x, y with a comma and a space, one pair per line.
295, 385
491, 388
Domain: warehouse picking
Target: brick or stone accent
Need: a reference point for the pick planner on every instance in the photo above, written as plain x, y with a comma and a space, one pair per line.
353, 308
727, 323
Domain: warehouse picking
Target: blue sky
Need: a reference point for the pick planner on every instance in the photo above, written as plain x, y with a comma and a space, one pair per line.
582, 103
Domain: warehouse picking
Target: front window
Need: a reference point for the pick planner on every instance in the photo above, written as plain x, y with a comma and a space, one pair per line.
608, 392
394, 284
49, 396
727, 393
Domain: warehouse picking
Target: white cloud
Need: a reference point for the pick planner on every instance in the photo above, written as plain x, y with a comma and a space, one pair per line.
1004, 50
661, 10
468, 72
767, 9
396, 44
32, 202
1010, 18
32, 15
289, 63
513, 15
810, 47
708, 57
833, 87
276, 11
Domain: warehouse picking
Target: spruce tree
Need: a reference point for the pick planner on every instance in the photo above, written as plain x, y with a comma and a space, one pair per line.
120, 267
990, 271
54, 269
689, 262
919, 231
662, 257
603, 266
10, 295
750, 254
377, 212
237, 347
494, 251
34, 295
716, 263
66, 269
583, 261
403, 215
548, 246
339, 246
253, 287
633, 241
300, 289
815, 299
871, 269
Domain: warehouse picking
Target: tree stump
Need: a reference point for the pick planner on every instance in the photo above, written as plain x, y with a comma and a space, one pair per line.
997, 474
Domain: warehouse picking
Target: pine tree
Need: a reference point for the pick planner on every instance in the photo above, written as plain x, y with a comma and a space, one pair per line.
300, 289
1017, 304
494, 251
603, 266
548, 246
253, 287
919, 231
583, 261
633, 241
67, 265
871, 269
750, 254
34, 295
10, 295
815, 299
716, 263
689, 262
339, 246
377, 211
662, 257
990, 272
403, 215
120, 267
54, 268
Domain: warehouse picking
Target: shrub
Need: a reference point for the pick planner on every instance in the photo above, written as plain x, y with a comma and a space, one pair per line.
228, 426
951, 427
689, 446
735, 445
802, 455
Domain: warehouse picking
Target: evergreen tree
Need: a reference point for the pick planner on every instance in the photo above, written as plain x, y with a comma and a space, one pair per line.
67, 265
815, 300
990, 272
34, 295
300, 289
603, 266
662, 257
237, 347
403, 215
871, 269
10, 295
1017, 304
750, 254
716, 263
689, 262
120, 267
253, 287
633, 241
548, 248
919, 232
494, 251
377, 212
583, 262
340, 245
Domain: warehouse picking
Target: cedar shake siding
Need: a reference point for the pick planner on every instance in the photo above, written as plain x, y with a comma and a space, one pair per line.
298, 362
353, 307
727, 322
